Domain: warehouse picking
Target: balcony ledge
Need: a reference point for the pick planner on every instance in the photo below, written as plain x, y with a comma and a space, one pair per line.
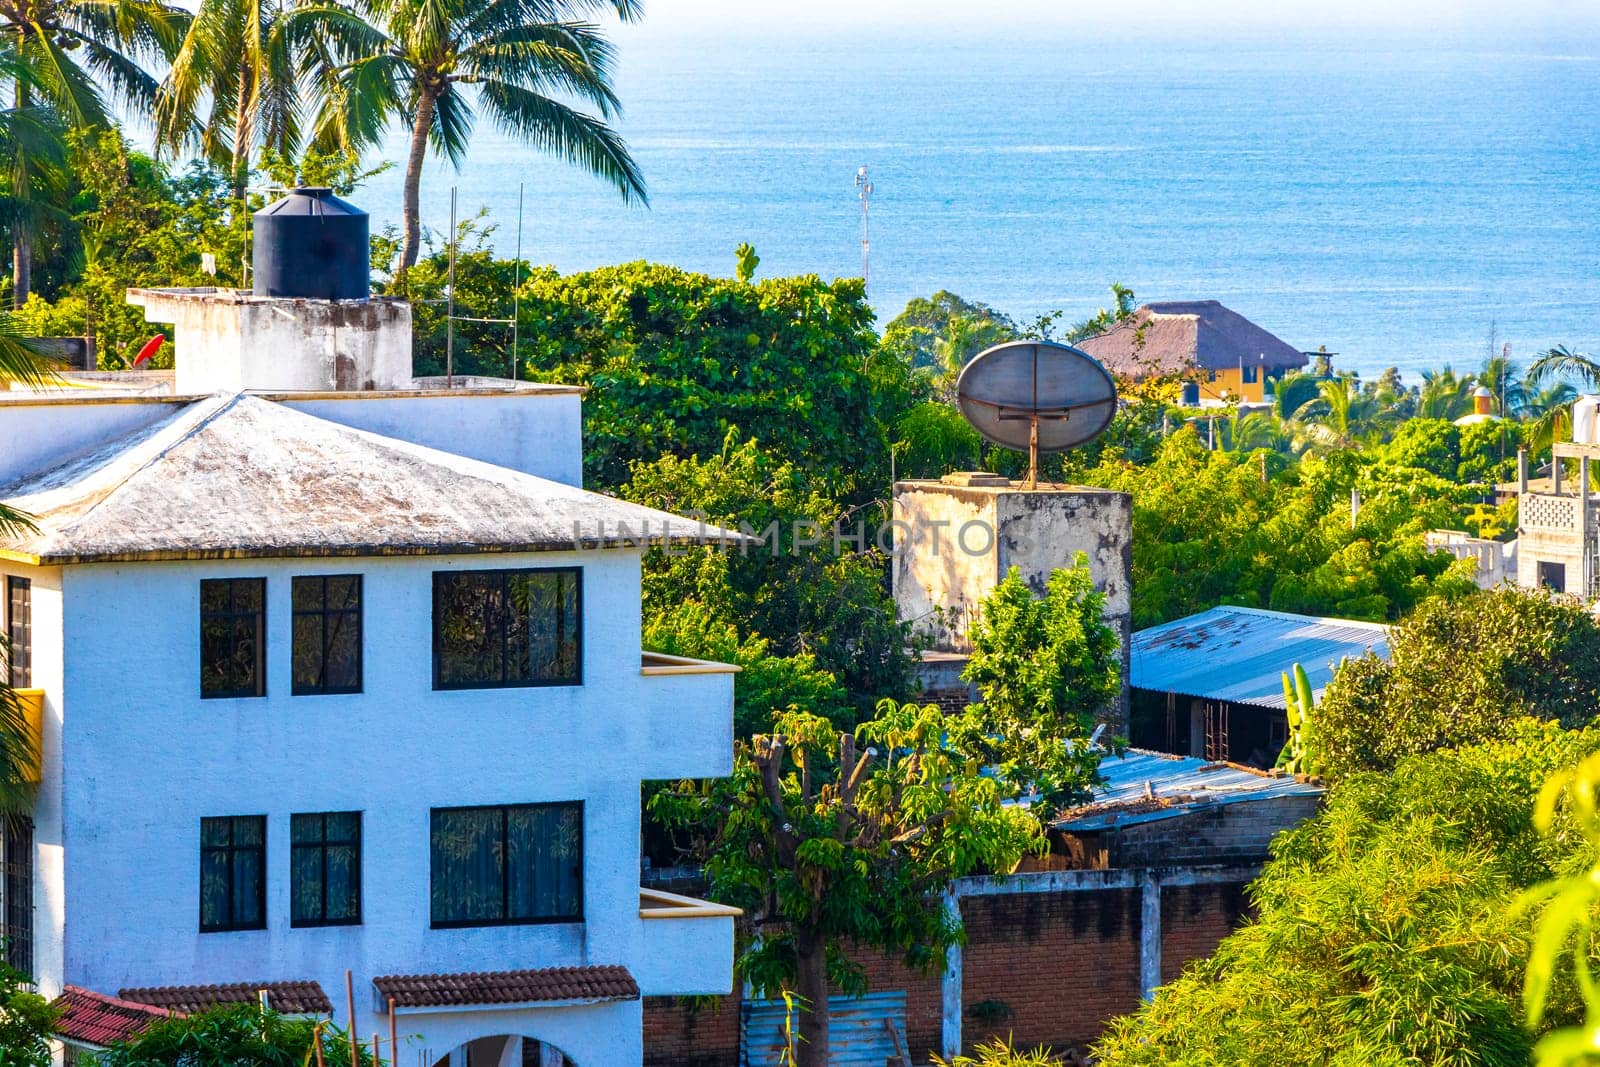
656, 904
653, 664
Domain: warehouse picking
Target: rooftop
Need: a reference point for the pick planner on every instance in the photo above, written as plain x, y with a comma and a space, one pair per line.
90, 1018
1240, 654
593, 983
241, 476
294, 998
1142, 786
1180, 335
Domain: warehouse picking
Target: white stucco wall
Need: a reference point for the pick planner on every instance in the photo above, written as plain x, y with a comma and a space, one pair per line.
536, 433
36, 435
145, 759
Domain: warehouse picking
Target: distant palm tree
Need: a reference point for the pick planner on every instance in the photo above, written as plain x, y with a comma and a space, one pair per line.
1550, 412
17, 751
1291, 392
1561, 362
22, 364
437, 62
1340, 417
1504, 381
1248, 431
236, 81
114, 37
1444, 396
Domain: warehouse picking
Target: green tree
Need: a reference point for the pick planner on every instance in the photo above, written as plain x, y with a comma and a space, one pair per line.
1462, 670
1383, 932
835, 843
1046, 668
236, 1034
915, 334
237, 82
1561, 362
437, 64
27, 1022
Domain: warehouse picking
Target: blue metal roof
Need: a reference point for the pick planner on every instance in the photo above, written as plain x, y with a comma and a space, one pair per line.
1142, 786
1241, 654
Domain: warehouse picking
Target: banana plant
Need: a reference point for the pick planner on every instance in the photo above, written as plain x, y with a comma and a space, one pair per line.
1299, 754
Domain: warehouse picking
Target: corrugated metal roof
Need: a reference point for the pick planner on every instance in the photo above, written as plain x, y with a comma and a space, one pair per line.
242, 476
1241, 654
1142, 786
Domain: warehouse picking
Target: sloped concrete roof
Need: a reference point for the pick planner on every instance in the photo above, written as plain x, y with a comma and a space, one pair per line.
1180, 335
240, 476
1144, 786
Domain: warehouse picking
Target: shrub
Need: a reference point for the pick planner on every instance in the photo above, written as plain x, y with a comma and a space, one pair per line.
1461, 670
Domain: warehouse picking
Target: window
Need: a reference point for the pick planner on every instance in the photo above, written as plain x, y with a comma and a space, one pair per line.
233, 873
1248, 374
19, 629
16, 892
233, 632
325, 869
1553, 576
521, 864
327, 634
506, 628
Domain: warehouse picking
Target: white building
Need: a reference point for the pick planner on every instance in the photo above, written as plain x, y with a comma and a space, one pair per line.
345, 680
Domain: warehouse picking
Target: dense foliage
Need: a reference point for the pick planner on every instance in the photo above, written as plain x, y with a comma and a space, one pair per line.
26, 1022
1461, 671
232, 1035
1384, 933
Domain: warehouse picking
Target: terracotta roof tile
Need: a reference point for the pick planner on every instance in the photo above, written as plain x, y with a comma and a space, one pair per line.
296, 998
92, 1018
508, 987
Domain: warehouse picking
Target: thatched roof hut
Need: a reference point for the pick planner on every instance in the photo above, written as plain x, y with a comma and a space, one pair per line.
1182, 335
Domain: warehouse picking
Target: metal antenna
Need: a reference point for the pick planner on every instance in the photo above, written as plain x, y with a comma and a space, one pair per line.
450, 306
516, 287
864, 190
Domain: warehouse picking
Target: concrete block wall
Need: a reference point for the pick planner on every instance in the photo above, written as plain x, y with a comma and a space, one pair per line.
1227, 833
1044, 968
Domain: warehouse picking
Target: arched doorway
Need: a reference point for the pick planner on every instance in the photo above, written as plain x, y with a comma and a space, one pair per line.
504, 1050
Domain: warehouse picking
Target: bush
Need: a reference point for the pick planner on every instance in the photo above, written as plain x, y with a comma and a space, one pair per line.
1460, 671
1000, 1053
232, 1036
26, 1022
1384, 933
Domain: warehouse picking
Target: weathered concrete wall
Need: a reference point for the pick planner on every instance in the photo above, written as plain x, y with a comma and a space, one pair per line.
954, 543
225, 341
37, 434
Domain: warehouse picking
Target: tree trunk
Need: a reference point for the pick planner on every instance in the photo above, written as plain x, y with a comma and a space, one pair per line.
22, 244
411, 209
811, 983
22, 265
242, 136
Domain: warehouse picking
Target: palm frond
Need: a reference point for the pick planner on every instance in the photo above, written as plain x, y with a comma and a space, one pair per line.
554, 127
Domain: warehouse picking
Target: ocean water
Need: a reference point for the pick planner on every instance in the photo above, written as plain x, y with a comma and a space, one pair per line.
1402, 202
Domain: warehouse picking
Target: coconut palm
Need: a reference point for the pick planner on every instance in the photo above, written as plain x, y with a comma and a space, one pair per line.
1561, 362
1444, 396
1340, 417
1504, 380
1291, 392
1550, 413
69, 49
439, 62
242, 75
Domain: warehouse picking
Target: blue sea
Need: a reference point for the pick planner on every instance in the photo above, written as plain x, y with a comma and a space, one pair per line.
1410, 201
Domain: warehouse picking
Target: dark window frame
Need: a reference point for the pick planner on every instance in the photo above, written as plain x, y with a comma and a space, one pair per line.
16, 892
19, 634
229, 850
505, 874
260, 617
326, 613
322, 845
505, 575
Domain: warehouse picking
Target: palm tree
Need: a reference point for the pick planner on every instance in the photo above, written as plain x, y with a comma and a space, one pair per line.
439, 61
1561, 362
114, 37
1444, 396
1340, 417
1291, 392
1504, 380
248, 65
17, 752
1550, 412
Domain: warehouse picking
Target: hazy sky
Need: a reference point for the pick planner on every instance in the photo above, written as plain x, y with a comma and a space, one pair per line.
1535, 17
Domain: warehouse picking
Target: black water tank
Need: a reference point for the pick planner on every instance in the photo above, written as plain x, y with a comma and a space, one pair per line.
312, 244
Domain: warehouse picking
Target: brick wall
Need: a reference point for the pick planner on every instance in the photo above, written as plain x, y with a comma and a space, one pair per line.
1048, 968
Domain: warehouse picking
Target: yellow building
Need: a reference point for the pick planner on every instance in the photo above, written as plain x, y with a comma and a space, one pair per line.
1224, 355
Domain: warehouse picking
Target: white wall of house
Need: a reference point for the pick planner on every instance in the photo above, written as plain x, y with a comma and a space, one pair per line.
145, 758
37, 434
536, 433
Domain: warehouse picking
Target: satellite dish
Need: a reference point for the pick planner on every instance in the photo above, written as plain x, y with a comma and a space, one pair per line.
1036, 396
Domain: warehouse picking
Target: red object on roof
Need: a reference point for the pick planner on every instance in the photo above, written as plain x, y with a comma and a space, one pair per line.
509, 987
92, 1018
291, 998
151, 347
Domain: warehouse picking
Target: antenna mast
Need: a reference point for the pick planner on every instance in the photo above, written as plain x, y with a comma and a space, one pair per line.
864, 190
